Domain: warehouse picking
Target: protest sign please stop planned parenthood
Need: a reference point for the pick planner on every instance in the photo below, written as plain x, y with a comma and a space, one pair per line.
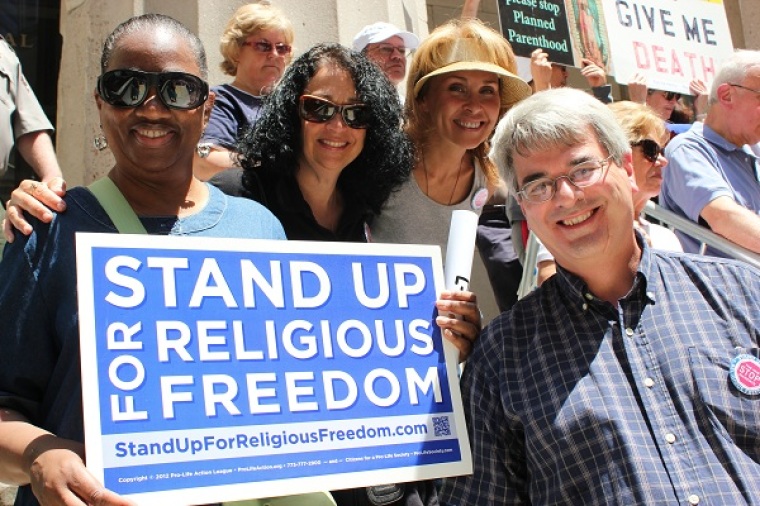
220, 369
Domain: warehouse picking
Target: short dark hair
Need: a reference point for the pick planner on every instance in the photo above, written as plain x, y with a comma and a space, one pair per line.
275, 144
147, 21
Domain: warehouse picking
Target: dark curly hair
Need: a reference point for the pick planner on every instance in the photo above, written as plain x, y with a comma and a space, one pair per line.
274, 143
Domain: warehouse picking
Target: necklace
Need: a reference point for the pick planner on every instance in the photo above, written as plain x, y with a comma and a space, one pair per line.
456, 181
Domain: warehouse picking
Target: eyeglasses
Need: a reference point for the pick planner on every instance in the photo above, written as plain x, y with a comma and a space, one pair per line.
744, 88
319, 110
669, 95
582, 175
264, 46
649, 148
129, 88
387, 50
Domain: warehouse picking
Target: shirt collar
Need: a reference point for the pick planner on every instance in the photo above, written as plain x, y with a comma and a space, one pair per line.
208, 217
577, 290
719, 141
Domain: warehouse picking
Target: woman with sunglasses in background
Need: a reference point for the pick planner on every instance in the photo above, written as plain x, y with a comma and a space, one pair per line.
256, 45
153, 103
647, 136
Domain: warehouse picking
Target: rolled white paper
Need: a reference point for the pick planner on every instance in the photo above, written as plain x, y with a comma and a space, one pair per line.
460, 249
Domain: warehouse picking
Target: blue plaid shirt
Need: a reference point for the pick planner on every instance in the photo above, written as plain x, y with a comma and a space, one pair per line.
571, 400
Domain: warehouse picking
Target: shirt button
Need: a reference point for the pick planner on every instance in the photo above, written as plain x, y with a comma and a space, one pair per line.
694, 499
589, 296
670, 438
585, 306
649, 382
629, 331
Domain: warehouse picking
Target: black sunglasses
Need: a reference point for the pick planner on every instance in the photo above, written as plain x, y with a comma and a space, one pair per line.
669, 95
264, 46
649, 148
320, 110
129, 88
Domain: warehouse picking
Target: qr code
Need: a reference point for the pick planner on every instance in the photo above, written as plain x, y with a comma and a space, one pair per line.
441, 426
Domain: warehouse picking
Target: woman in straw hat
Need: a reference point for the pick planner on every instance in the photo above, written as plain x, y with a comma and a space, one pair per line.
461, 81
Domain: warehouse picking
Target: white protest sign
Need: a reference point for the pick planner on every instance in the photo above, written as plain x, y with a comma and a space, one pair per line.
670, 42
226, 369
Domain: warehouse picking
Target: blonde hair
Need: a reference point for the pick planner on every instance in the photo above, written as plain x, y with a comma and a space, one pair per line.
247, 20
434, 53
638, 120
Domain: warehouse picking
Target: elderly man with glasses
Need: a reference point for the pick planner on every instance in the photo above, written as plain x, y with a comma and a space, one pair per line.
713, 174
387, 46
632, 375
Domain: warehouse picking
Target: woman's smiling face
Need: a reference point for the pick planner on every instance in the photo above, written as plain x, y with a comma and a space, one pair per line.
151, 137
463, 107
331, 146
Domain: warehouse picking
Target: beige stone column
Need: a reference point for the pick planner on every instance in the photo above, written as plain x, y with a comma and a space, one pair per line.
744, 19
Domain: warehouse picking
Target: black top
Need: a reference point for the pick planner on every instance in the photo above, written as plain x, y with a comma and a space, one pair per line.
281, 195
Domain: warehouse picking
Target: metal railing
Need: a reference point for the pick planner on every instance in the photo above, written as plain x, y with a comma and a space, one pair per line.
668, 219
702, 234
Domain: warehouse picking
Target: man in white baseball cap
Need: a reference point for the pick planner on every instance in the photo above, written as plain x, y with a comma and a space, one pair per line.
387, 46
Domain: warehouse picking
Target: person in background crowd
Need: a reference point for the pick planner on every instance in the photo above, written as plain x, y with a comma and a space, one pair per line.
460, 82
712, 179
388, 47
24, 124
671, 106
548, 75
629, 376
646, 135
256, 45
153, 103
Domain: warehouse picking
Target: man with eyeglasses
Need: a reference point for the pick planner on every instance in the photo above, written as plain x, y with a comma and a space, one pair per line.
712, 177
632, 376
387, 46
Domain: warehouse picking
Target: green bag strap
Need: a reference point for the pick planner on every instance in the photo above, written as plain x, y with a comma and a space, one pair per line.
116, 206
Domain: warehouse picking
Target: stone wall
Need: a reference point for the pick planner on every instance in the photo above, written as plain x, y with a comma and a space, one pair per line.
7, 495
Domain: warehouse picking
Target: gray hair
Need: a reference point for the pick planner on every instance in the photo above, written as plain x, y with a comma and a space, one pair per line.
558, 117
734, 70
159, 22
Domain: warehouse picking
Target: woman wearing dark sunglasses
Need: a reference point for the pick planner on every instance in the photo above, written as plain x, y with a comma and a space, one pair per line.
647, 136
153, 103
256, 46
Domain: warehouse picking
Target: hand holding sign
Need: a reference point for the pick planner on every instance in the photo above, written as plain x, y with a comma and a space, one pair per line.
58, 475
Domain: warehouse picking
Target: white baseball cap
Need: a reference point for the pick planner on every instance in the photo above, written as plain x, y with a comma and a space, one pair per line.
381, 31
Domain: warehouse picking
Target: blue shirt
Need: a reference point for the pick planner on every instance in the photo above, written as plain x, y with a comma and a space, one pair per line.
234, 111
571, 400
703, 166
39, 332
